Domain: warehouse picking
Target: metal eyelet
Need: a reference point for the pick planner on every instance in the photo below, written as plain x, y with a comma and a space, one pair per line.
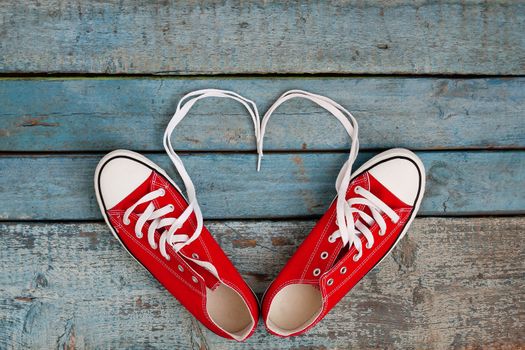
343, 270
355, 258
324, 255
139, 235
181, 269
330, 281
163, 192
357, 189
331, 239
381, 233
368, 246
317, 272
195, 256
172, 208
126, 222
194, 279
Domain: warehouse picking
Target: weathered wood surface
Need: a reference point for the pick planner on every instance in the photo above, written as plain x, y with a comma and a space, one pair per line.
104, 114
451, 284
289, 185
189, 37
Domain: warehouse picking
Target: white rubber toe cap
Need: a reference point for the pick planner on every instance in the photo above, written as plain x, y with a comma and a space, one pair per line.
401, 176
119, 175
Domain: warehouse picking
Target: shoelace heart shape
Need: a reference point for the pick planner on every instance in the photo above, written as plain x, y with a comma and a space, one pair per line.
348, 230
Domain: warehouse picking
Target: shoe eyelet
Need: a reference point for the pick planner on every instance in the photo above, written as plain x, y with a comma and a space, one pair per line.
368, 246
162, 192
331, 239
357, 189
195, 256
343, 270
172, 208
167, 257
194, 279
381, 233
181, 269
355, 258
126, 222
317, 272
330, 282
324, 255
139, 235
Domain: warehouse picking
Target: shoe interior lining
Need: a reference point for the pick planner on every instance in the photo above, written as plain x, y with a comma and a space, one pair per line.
228, 311
294, 308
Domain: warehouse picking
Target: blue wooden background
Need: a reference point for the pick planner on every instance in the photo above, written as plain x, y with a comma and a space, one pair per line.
78, 79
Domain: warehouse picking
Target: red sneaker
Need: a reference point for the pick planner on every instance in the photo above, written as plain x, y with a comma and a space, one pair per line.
164, 232
147, 213
382, 200
371, 213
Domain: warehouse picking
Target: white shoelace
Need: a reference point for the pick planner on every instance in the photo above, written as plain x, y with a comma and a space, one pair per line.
348, 231
377, 208
156, 216
158, 222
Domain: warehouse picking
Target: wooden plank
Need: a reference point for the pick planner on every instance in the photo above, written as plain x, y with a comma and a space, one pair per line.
60, 187
104, 114
452, 283
188, 37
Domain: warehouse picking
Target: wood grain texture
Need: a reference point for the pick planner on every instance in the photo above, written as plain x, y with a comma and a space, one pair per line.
451, 284
105, 114
192, 37
289, 185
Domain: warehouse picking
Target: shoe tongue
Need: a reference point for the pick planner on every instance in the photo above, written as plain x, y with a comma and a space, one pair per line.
381, 192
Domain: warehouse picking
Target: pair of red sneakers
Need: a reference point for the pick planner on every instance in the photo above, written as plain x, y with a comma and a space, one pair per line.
163, 230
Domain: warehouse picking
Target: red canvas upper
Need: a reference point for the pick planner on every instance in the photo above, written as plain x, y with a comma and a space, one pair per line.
300, 268
183, 278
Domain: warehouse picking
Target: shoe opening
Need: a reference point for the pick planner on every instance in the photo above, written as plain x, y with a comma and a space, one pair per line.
294, 308
229, 311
